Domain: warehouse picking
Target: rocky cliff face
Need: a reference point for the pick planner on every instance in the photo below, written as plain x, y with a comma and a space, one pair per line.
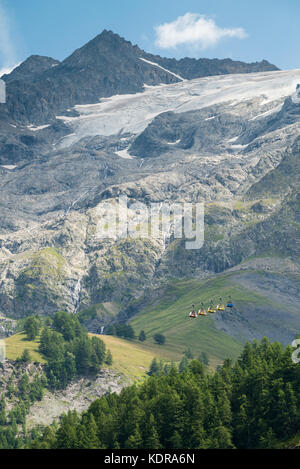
41, 88
195, 68
229, 141
30, 68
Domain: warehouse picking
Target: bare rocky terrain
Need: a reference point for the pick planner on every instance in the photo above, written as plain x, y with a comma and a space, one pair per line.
77, 396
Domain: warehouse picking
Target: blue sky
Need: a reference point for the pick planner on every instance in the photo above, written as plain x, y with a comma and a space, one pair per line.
241, 29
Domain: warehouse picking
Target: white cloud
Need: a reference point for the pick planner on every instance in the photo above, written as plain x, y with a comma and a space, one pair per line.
7, 48
196, 30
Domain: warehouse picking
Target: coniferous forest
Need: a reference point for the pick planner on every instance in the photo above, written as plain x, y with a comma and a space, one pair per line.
252, 403
68, 352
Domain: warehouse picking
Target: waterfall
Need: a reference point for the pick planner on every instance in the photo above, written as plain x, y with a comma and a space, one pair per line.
102, 330
76, 296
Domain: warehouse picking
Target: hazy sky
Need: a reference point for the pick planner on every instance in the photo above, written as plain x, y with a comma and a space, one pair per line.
241, 29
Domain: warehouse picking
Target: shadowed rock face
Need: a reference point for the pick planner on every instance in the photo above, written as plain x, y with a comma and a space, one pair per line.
30, 68
105, 66
187, 131
41, 87
195, 68
231, 142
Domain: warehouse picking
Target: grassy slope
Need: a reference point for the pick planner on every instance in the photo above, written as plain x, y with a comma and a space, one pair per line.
170, 317
129, 357
16, 344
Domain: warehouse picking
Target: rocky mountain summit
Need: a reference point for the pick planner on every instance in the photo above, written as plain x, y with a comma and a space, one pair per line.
112, 120
105, 66
30, 68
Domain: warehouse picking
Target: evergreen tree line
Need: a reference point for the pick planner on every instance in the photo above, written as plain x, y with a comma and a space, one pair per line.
69, 351
23, 392
159, 368
252, 403
124, 331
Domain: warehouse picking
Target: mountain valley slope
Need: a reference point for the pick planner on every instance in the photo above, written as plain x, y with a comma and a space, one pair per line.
230, 141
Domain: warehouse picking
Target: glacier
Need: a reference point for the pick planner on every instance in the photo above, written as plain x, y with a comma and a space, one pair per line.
132, 113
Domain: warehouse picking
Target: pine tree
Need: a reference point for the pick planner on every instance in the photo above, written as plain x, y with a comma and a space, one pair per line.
142, 336
108, 358
99, 348
70, 366
160, 339
183, 365
188, 354
110, 330
176, 441
48, 440
267, 440
151, 437
135, 440
2, 411
66, 437
18, 414
24, 386
224, 409
222, 438
154, 367
204, 358
242, 423
25, 357
83, 351
32, 327
87, 433
291, 414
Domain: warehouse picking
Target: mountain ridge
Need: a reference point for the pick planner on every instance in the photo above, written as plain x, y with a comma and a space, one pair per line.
106, 65
32, 66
